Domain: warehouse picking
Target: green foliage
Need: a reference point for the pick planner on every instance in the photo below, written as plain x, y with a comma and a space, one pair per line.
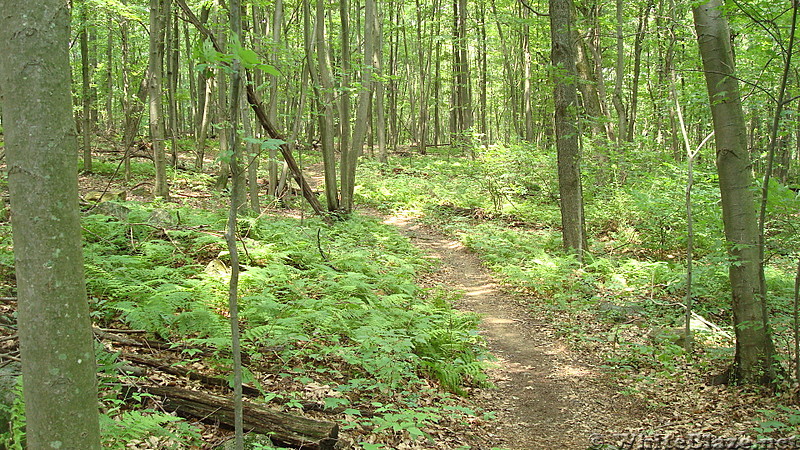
13, 431
146, 427
310, 291
781, 421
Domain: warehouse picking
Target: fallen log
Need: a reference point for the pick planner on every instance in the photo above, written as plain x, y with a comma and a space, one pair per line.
186, 373
284, 429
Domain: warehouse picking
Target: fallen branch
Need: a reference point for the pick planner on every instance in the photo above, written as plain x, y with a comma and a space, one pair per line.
186, 373
283, 428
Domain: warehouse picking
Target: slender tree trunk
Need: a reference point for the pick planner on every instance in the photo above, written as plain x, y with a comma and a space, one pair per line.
110, 75
173, 58
362, 113
527, 101
344, 94
272, 165
754, 359
484, 75
203, 109
230, 233
566, 129
619, 105
54, 328
154, 89
326, 108
637, 68
86, 95
380, 92
462, 105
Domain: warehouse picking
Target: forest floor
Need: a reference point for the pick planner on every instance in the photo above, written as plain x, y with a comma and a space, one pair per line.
550, 391
545, 396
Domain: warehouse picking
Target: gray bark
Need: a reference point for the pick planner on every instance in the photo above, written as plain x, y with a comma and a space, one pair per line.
55, 335
754, 358
566, 129
86, 96
156, 63
326, 108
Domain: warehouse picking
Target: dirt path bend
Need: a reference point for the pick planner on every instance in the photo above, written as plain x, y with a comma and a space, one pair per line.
546, 396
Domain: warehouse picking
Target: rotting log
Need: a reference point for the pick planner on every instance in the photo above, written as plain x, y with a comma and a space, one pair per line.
186, 373
283, 428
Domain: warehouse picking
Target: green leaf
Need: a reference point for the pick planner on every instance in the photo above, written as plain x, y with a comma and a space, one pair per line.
248, 57
269, 69
334, 402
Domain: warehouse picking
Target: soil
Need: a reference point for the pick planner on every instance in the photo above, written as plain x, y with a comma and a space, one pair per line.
546, 396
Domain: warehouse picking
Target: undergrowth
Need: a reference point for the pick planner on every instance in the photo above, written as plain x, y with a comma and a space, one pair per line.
335, 308
625, 302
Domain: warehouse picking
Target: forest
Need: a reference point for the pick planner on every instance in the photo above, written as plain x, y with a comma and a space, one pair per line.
399, 224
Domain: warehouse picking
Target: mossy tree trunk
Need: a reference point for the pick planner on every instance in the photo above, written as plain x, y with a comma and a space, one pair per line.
566, 127
55, 335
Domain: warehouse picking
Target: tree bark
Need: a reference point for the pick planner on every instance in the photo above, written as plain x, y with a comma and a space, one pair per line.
285, 429
362, 113
380, 90
272, 164
173, 60
86, 95
55, 334
754, 359
619, 105
566, 127
156, 63
326, 108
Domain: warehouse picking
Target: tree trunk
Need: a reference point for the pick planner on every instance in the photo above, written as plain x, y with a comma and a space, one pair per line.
637, 65
203, 105
173, 54
326, 108
754, 359
272, 164
86, 96
462, 102
55, 334
380, 110
109, 106
237, 191
566, 127
362, 113
156, 62
619, 105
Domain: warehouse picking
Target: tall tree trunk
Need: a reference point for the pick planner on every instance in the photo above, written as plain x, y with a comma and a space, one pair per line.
619, 104
326, 108
637, 68
54, 328
272, 165
230, 232
462, 106
86, 95
344, 93
566, 129
754, 359
109, 74
527, 101
156, 62
362, 113
380, 92
173, 58
203, 109
484, 75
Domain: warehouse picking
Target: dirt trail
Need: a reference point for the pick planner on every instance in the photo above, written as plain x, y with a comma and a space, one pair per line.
547, 397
